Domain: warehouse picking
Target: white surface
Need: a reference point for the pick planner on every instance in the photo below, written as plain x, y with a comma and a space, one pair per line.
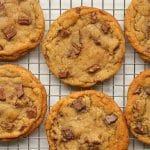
115, 87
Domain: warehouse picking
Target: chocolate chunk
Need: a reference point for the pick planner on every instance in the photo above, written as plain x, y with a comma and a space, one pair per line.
147, 90
76, 46
93, 18
19, 90
78, 104
93, 68
76, 50
64, 33
94, 145
105, 28
137, 91
24, 20
1, 47
73, 53
111, 119
78, 10
96, 41
32, 113
9, 32
2, 94
67, 134
139, 129
63, 74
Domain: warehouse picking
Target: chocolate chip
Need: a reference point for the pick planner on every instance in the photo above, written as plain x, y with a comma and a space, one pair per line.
31, 113
137, 91
19, 90
147, 90
24, 20
1, 47
78, 104
111, 119
9, 32
105, 28
93, 18
139, 129
63, 74
64, 33
67, 134
78, 10
93, 68
2, 94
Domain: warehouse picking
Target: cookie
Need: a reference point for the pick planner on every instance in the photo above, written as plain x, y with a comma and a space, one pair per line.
137, 27
22, 102
21, 27
86, 120
84, 46
137, 111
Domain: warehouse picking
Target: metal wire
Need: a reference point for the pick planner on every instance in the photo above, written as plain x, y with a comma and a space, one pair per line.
115, 87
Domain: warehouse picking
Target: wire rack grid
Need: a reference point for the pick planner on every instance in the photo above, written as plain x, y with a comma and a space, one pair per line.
115, 87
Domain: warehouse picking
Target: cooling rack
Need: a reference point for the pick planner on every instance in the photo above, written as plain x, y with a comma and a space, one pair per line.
115, 87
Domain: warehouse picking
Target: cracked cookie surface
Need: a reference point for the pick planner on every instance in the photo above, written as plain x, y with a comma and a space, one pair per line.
138, 107
137, 27
22, 102
86, 120
84, 46
21, 27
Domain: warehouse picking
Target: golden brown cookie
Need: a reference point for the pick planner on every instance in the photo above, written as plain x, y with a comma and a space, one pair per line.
138, 107
22, 102
84, 46
86, 120
137, 27
21, 27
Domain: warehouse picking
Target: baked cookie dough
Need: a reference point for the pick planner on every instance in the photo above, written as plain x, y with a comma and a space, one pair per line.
86, 120
137, 111
84, 46
21, 27
137, 27
22, 102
